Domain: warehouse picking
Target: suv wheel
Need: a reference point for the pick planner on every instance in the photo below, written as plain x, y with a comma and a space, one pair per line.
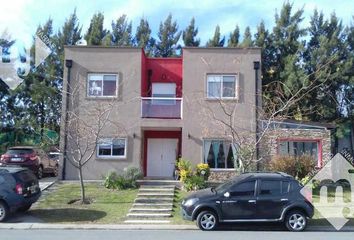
207, 220
40, 172
295, 221
3, 211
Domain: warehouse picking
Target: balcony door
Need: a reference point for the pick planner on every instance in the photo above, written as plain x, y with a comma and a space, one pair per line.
163, 91
161, 157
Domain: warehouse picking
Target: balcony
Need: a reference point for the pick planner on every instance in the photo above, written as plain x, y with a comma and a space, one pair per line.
159, 107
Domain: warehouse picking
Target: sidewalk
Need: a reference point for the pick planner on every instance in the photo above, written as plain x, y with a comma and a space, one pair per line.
37, 226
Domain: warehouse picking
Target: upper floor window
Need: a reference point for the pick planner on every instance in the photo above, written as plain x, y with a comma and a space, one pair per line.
221, 86
102, 85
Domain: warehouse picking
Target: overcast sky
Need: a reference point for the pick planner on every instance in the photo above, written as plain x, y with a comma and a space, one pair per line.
21, 17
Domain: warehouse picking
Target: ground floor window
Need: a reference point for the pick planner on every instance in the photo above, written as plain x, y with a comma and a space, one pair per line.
299, 148
112, 147
219, 153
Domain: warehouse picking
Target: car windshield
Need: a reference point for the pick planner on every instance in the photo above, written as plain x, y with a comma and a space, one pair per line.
20, 151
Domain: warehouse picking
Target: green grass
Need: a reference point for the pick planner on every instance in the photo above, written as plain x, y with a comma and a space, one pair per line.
107, 206
176, 215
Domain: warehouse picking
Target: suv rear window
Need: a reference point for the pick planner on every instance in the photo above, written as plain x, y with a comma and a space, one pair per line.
25, 176
20, 151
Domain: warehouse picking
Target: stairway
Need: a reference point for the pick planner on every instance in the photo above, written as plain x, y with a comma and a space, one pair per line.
153, 204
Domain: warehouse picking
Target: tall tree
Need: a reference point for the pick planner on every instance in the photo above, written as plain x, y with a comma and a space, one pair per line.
122, 32
286, 75
216, 41
247, 38
190, 34
96, 32
168, 38
143, 37
234, 37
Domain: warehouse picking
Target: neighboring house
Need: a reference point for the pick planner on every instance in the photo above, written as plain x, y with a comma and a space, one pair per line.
165, 107
296, 138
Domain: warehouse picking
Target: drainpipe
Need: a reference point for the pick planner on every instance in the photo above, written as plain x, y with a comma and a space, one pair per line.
256, 66
68, 65
149, 90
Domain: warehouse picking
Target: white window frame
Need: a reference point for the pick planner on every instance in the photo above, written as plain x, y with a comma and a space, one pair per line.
112, 156
203, 151
101, 74
222, 87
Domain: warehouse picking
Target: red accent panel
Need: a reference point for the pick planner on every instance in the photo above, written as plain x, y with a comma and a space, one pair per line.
319, 145
160, 134
164, 70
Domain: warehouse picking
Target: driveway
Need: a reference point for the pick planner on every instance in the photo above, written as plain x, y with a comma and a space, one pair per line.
46, 182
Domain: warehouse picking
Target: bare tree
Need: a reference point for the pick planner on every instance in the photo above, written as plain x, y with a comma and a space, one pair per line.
86, 121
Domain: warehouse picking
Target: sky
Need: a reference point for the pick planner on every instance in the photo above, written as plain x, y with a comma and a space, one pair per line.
20, 18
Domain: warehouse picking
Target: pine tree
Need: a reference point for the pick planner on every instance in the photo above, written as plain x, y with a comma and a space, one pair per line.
122, 32
285, 75
216, 41
190, 34
96, 32
234, 37
168, 38
143, 37
247, 38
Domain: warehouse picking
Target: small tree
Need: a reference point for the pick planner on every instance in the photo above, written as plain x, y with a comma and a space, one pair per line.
85, 122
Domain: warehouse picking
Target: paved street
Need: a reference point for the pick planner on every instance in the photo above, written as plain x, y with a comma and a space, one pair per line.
167, 234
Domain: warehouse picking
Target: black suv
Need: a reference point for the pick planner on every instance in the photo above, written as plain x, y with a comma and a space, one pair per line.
19, 189
250, 197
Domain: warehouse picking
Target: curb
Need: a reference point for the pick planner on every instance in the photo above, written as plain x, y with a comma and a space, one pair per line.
38, 226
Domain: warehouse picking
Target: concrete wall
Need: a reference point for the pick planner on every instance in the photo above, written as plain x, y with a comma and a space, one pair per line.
126, 62
199, 113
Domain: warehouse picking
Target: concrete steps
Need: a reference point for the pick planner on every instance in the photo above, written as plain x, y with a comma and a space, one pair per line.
153, 204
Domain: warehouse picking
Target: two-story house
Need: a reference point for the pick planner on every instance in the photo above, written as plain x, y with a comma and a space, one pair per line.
162, 108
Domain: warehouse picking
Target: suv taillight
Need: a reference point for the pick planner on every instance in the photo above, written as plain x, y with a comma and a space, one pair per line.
19, 189
3, 158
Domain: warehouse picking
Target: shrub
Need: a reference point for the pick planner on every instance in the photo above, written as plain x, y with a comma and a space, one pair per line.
126, 180
297, 166
203, 170
110, 180
195, 182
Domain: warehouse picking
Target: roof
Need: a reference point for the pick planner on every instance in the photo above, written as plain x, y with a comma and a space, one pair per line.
291, 123
13, 169
22, 147
310, 123
266, 175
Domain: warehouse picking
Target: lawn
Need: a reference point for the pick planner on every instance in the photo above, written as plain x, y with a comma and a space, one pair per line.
108, 206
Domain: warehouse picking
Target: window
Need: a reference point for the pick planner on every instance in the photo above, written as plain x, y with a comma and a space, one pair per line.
243, 189
285, 187
270, 188
102, 85
221, 86
164, 90
299, 148
112, 148
219, 153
